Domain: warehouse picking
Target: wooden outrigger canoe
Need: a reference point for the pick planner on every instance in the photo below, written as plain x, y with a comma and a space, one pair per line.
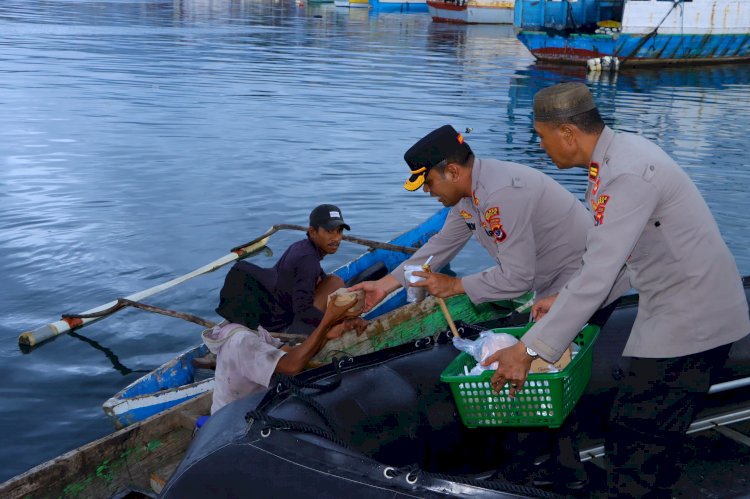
392, 323
174, 382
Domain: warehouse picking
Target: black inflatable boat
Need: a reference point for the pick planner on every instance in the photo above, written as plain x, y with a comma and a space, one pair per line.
384, 426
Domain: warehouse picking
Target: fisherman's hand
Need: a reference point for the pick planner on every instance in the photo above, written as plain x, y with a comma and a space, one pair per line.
542, 306
335, 313
439, 285
357, 324
513, 367
374, 293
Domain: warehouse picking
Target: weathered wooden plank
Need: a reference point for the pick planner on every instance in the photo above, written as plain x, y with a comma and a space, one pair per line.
112, 463
411, 322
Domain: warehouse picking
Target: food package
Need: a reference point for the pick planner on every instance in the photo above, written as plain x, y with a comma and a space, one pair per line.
539, 365
345, 297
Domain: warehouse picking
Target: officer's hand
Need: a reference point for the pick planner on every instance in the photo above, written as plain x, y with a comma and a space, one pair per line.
439, 285
374, 293
513, 367
542, 306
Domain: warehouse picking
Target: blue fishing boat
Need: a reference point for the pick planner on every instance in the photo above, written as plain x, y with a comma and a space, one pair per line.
399, 5
635, 32
392, 323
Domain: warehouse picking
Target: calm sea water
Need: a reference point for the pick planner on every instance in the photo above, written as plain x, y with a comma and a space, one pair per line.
140, 140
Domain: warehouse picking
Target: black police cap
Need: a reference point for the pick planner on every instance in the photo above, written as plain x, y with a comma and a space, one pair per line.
431, 150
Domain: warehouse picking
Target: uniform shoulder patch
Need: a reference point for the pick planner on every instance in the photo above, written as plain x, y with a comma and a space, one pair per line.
465, 214
593, 171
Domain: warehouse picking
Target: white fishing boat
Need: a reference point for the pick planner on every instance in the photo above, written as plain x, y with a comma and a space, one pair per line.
472, 11
352, 4
635, 32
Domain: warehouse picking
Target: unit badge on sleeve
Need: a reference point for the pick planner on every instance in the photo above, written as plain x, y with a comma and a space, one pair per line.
494, 227
597, 206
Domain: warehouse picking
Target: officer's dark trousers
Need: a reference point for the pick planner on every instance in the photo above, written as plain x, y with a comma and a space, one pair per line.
655, 404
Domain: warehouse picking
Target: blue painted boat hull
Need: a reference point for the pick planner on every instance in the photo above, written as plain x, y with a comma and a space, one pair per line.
404, 7
659, 49
173, 382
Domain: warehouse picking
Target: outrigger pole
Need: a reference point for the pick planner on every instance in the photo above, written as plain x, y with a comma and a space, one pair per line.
75, 321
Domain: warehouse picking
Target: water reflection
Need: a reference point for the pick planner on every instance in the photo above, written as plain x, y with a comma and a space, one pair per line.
116, 364
692, 113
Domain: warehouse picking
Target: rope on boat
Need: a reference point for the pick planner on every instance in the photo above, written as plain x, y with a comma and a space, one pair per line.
353, 239
411, 473
294, 387
124, 302
650, 35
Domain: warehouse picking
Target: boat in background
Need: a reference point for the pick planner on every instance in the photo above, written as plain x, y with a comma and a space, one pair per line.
352, 4
472, 11
635, 32
399, 5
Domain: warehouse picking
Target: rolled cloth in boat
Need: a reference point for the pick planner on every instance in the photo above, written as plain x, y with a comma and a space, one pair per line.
345, 297
562, 101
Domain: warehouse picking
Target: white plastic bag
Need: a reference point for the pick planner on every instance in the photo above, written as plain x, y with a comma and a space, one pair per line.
487, 344
413, 293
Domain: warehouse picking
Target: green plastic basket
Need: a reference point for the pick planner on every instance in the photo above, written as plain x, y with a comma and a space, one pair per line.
545, 400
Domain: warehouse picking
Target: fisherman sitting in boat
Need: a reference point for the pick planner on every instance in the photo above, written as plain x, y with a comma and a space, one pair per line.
532, 227
246, 359
292, 294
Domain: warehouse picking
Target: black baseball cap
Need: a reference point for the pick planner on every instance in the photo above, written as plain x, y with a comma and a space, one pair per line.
431, 150
327, 216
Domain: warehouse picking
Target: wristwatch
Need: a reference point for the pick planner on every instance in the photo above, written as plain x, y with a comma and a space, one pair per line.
531, 353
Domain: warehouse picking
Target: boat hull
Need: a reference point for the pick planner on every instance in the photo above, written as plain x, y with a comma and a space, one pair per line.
169, 385
471, 12
353, 4
635, 32
658, 49
399, 6
139, 457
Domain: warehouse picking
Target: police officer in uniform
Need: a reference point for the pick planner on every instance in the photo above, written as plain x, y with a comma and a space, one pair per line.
529, 224
653, 231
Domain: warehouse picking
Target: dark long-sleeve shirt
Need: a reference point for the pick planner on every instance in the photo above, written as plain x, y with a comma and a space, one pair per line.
291, 283
277, 296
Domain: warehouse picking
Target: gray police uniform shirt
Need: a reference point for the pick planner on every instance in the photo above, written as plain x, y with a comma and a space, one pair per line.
532, 227
651, 219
